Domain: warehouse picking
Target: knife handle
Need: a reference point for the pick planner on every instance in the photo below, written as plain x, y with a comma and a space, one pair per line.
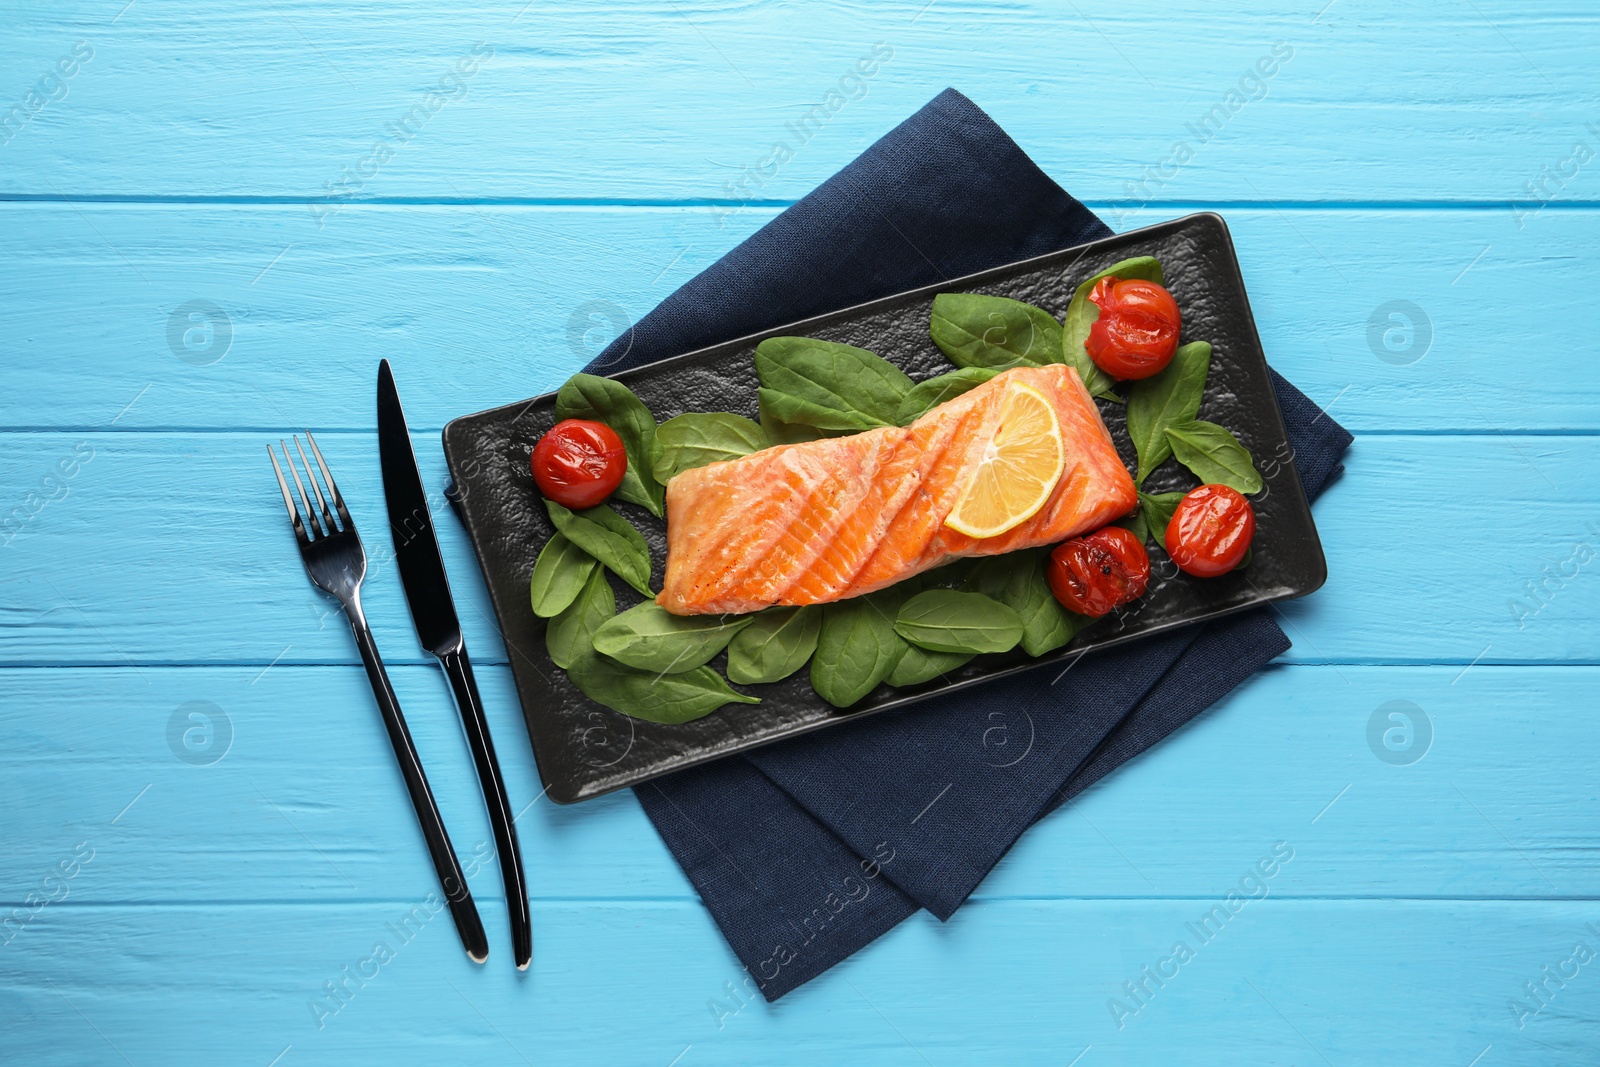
451, 878
458, 668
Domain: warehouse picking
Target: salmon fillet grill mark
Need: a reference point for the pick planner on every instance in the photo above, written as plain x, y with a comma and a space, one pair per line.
826, 520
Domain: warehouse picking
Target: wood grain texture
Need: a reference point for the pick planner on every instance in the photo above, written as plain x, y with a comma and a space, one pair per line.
478, 306
652, 100
1284, 981
303, 802
1404, 152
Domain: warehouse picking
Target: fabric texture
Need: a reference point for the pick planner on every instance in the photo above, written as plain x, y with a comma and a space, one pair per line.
807, 850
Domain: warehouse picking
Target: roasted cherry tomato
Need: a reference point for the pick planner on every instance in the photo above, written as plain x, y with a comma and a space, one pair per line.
1093, 574
579, 463
1210, 531
1137, 330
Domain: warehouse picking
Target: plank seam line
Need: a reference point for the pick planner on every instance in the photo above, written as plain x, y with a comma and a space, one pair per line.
694, 901
268, 200
125, 664
424, 431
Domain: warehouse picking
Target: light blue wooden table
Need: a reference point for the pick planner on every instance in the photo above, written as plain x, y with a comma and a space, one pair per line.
203, 824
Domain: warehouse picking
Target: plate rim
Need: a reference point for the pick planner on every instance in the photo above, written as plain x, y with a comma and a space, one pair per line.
463, 423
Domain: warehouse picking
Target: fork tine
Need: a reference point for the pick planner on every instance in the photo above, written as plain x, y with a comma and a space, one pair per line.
288, 501
311, 515
333, 487
327, 516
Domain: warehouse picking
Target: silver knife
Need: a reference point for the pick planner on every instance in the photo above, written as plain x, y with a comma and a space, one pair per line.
433, 611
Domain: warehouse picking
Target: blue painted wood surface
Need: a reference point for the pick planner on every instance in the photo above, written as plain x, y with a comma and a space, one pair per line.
158, 909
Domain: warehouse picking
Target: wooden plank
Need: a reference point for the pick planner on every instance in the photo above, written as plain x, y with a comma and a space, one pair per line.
174, 548
286, 791
479, 306
652, 100
1024, 982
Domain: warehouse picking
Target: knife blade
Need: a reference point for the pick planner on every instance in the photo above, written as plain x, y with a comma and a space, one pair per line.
416, 549
433, 612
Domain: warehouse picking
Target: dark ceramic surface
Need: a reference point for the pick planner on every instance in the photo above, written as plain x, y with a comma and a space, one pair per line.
584, 750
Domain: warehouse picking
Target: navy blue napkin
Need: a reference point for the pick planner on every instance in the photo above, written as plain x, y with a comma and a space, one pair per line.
807, 850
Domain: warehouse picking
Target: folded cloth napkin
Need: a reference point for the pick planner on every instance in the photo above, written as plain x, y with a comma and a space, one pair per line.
807, 850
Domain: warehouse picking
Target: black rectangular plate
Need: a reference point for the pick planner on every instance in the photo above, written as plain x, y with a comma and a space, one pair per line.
584, 749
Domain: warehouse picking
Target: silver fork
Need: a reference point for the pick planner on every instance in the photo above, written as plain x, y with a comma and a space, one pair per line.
337, 563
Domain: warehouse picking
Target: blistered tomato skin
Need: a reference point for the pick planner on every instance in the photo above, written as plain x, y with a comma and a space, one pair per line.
1137, 331
1091, 575
579, 463
1210, 531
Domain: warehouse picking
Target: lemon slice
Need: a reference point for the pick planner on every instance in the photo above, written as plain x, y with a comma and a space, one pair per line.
1019, 469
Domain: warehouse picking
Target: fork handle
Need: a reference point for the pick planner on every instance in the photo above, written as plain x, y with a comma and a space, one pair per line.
462, 909
458, 668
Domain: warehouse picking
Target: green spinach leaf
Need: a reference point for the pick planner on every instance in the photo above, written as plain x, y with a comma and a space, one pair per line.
926, 396
827, 385
993, 332
1166, 399
665, 698
788, 433
1017, 580
699, 438
1156, 511
1214, 455
1082, 313
609, 538
856, 649
1098, 382
918, 665
651, 638
571, 633
588, 396
1135, 524
775, 645
948, 620
558, 576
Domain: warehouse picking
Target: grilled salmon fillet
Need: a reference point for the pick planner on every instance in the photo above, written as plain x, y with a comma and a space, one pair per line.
841, 517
